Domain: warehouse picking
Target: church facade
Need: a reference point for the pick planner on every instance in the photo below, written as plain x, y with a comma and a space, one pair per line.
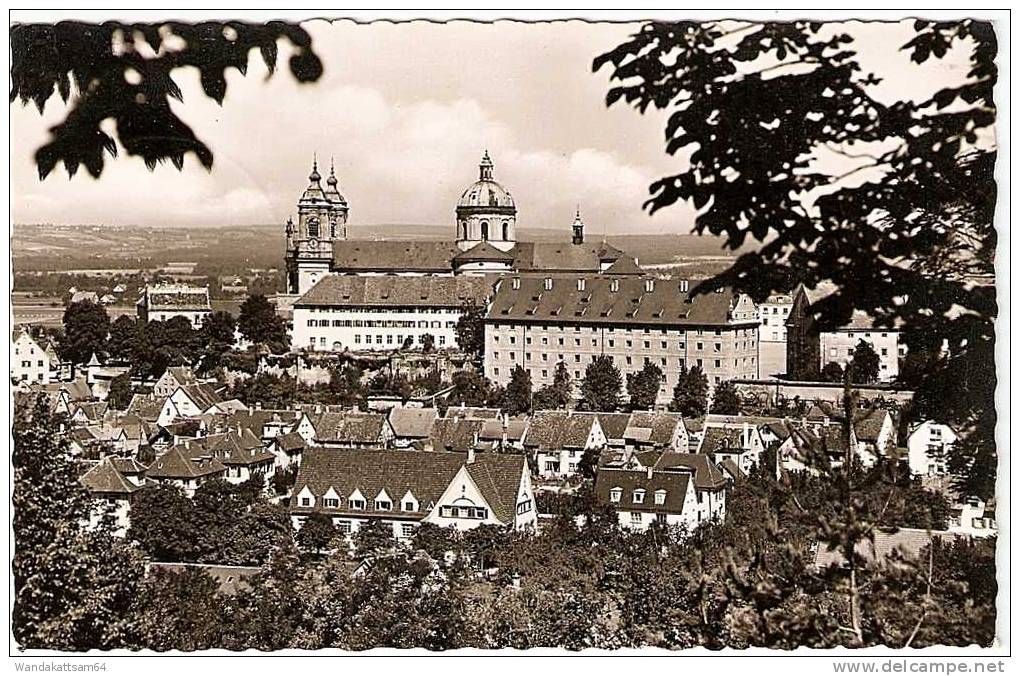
362, 294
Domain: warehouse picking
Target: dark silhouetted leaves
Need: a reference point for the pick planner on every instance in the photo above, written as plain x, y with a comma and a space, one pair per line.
114, 80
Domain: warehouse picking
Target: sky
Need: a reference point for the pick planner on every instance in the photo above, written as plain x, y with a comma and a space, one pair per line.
405, 111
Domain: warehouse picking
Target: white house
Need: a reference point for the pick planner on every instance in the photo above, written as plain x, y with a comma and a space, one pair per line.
32, 360
559, 439
172, 378
740, 443
406, 488
111, 482
161, 302
189, 400
928, 446
672, 489
181, 466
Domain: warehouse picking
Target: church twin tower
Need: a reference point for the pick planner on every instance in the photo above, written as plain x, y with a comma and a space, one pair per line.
486, 212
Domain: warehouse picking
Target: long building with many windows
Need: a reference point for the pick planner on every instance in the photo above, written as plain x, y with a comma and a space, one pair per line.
537, 322
345, 312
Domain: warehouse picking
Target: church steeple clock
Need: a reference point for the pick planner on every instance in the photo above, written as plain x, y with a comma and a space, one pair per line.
322, 219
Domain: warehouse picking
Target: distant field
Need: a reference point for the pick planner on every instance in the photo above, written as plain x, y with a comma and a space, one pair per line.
32, 311
233, 250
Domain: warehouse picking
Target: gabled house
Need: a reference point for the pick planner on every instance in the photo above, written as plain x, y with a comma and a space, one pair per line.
646, 496
266, 424
172, 378
411, 426
807, 446
503, 434
708, 486
740, 443
88, 412
110, 483
351, 429
655, 431
875, 429
187, 466
613, 427
33, 360
406, 488
240, 451
456, 435
190, 400
559, 439
288, 449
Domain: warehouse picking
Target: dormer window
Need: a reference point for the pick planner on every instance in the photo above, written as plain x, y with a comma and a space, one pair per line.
615, 494
639, 496
383, 505
660, 497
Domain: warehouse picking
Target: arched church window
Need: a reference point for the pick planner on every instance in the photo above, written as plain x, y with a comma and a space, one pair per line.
506, 231
485, 230
463, 229
313, 227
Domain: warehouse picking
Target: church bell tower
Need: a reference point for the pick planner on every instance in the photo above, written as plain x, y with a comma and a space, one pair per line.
322, 220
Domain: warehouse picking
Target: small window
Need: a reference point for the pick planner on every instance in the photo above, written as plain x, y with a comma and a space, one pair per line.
614, 495
383, 505
639, 496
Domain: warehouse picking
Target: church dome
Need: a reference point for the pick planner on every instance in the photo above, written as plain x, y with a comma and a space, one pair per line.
486, 191
314, 190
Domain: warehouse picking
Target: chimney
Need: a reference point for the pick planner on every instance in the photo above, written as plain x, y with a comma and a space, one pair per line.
471, 455
649, 470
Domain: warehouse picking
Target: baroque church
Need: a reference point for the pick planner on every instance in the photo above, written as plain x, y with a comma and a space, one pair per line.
484, 242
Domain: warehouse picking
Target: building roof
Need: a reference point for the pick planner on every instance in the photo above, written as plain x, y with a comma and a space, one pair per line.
349, 427
233, 448
290, 442
908, 542
625, 265
179, 463
182, 374
104, 477
426, 475
722, 439
494, 429
202, 394
229, 579
412, 423
613, 424
382, 291
455, 434
554, 430
661, 427
93, 410
258, 419
479, 412
484, 252
631, 303
377, 255
145, 406
707, 475
177, 297
628, 480
555, 257
868, 424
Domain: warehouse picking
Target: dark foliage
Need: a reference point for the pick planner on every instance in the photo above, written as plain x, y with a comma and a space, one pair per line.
643, 387
690, 396
124, 72
903, 221
725, 399
600, 389
86, 327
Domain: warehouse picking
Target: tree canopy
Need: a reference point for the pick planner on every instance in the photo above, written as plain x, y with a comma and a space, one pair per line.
891, 201
602, 385
125, 72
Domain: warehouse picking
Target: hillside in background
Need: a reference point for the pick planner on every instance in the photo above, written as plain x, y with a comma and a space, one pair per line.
226, 250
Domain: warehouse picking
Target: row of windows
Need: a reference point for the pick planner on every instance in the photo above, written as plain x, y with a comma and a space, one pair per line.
423, 310
577, 328
345, 527
699, 346
629, 360
380, 323
463, 512
638, 496
367, 339
358, 505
